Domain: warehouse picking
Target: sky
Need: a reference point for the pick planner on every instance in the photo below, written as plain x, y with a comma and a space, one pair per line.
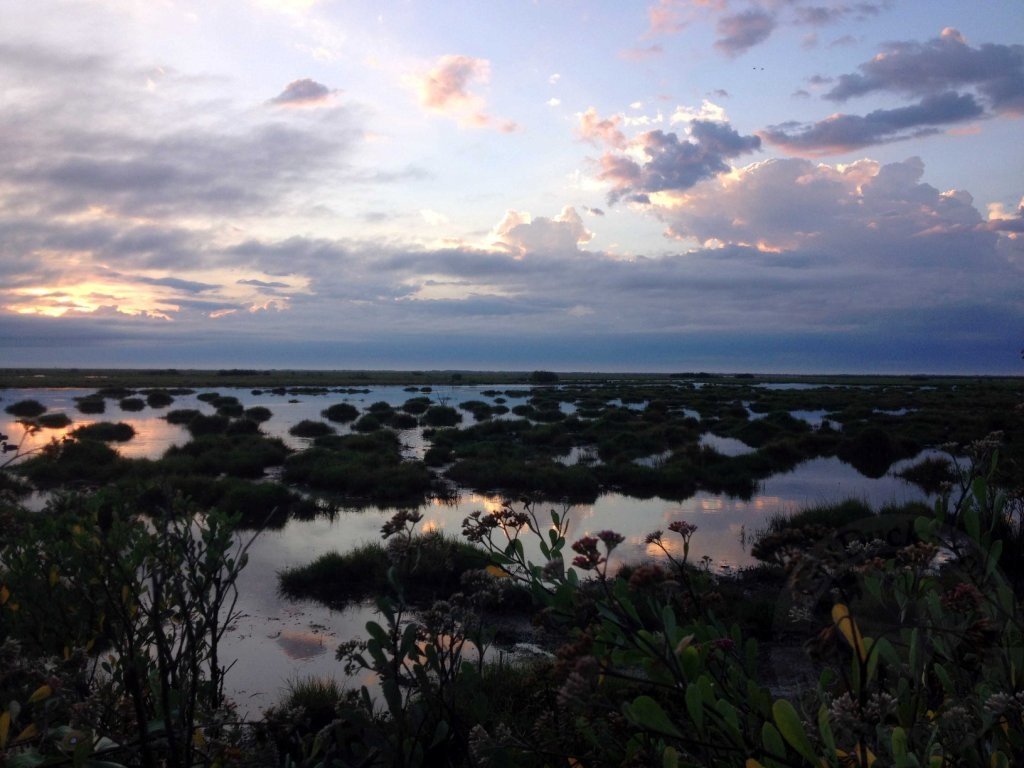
674, 185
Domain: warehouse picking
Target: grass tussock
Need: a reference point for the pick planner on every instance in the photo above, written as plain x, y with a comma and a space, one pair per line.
435, 570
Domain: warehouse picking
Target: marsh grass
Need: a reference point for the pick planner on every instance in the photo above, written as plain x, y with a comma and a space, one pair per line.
54, 420
931, 475
239, 455
311, 703
26, 409
435, 571
91, 405
310, 428
257, 413
106, 431
341, 413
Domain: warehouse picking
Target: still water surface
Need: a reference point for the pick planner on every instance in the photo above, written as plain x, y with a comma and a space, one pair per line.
277, 640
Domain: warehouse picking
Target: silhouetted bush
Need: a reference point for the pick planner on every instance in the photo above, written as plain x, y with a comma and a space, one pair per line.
309, 428
26, 409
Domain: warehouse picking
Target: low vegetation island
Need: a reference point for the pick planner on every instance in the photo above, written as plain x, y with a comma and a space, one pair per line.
855, 632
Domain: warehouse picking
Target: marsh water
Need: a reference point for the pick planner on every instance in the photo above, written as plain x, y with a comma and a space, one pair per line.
277, 640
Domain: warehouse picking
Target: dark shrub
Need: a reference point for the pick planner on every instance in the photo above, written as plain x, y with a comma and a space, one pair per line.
26, 409
74, 463
871, 452
239, 455
257, 413
335, 578
54, 420
416, 405
309, 428
930, 474
181, 415
367, 423
242, 427
340, 413
132, 404
105, 431
201, 424
441, 416
92, 405
402, 421
159, 399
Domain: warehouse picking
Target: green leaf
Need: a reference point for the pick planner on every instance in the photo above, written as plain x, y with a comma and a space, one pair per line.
825, 728
972, 523
792, 730
899, 742
647, 713
690, 661
26, 760
694, 706
993, 557
670, 758
772, 740
440, 733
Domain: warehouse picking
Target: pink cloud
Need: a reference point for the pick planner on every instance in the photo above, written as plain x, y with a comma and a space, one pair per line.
596, 130
446, 89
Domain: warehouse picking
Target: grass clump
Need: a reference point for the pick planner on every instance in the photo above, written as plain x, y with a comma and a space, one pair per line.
132, 404
91, 405
341, 413
181, 416
54, 420
74, 463
105, 431
243, 455
335, 578
310, 428
158, 398
258, 414
416, 405
441, 416
26, 409
362, 466
930, 475
367, 423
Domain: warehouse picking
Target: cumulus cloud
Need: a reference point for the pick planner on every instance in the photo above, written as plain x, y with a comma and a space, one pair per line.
597, 130
520, 234
303, 93
446, 89
741, 31
656, 161
946, 62
844, 133
864, 211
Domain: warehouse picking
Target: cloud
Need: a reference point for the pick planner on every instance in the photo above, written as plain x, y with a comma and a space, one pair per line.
446, 86
656, 161
640, 53
264, 283
947, 62
742, 31
865, 212
446, 89
303, 93
599, 130
844, 133
521, 235
666, 17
